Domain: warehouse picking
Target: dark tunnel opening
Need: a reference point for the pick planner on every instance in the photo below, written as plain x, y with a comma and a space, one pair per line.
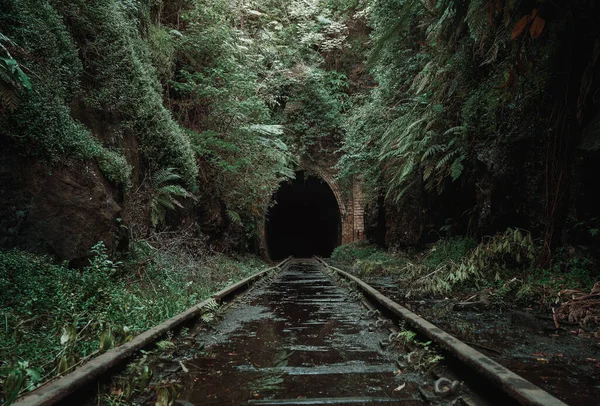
304, 221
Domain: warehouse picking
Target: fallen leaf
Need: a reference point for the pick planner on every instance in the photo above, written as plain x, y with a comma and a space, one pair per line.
542, 360
183, 368
399, 388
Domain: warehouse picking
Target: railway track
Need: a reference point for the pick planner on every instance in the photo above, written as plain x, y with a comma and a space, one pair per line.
304, 334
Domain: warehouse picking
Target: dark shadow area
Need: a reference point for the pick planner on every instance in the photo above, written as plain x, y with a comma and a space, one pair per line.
304, 221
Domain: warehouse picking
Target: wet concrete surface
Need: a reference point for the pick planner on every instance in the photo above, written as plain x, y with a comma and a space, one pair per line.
299, 340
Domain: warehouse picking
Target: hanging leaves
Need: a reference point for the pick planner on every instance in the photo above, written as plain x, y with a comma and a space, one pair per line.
535, 23
520, 26
537, 26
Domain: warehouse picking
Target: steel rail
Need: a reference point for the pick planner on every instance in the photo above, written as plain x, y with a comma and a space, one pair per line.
54, 391
509, 382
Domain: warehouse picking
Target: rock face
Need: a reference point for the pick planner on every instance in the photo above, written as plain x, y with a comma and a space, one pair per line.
62, 210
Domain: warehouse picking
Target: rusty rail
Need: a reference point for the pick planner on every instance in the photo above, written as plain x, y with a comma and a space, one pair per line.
509, 382
54, 391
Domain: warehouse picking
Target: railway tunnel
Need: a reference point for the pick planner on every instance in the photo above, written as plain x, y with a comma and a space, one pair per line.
303, 220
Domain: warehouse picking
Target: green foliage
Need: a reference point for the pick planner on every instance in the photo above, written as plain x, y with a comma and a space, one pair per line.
368, 260
12, 78
55, 317
408, 122
16, 378
570, 270
164, 194
448, 80
126, 86
162, 47
314, 109
457, 263
449, 249
353, 251
42, 124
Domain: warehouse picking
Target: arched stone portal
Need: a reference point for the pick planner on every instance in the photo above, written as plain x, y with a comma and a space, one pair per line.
350, 205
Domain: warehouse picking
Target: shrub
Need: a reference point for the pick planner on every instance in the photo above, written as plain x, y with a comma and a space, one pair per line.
353, 251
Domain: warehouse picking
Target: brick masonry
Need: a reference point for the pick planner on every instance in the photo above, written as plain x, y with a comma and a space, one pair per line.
350, 198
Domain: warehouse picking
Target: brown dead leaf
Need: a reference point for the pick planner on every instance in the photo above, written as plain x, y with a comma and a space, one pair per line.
537, 26
520, 26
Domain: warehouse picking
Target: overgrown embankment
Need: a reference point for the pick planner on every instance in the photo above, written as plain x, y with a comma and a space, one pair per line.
498, 273
484, 118
55, 318
154, 133
541, 323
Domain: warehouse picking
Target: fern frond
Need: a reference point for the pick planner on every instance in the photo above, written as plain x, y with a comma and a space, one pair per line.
477, 20
431, 150
234, 217
444, 161
455, 130
397, 29
165, 194
427, 172
265, 129
164, 175
163, 201
173, 190
456, 169
9, 96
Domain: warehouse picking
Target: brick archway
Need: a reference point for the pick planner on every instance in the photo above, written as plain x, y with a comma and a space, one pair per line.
350, 200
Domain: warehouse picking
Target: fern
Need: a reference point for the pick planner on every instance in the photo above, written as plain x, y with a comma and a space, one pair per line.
165, 194
209, 310
9, 96
456, 169
398, 28
12, 78
431, 150
265, 129
234, 217
477, 21
445, 159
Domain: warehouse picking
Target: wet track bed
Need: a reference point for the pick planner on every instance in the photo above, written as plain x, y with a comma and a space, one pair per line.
304, 333
299, 340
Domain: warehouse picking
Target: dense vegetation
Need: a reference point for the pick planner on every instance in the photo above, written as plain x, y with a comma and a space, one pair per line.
163, 127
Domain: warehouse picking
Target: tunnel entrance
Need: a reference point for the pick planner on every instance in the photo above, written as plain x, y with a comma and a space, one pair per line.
304, 221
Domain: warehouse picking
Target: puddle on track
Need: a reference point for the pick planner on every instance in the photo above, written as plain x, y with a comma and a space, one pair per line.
299, 338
